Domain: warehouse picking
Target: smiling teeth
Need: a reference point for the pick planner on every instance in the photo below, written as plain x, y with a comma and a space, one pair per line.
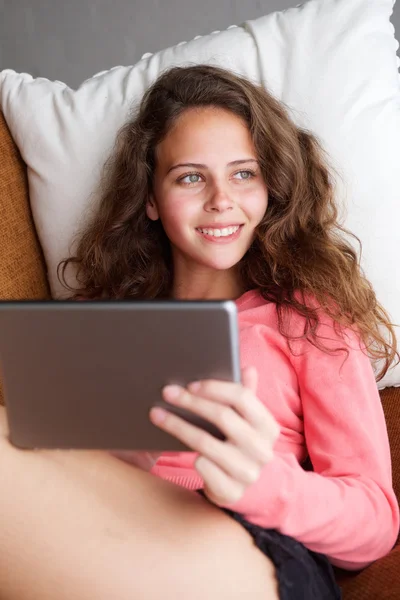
220, 232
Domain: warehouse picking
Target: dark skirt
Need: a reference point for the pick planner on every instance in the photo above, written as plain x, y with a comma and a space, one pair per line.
301, 574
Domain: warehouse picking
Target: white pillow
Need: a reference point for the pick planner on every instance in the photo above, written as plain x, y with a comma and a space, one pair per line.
332, 61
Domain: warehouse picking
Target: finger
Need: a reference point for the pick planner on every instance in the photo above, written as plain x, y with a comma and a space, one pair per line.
228, 457
237, 430
250, 378
241, 398
218, 486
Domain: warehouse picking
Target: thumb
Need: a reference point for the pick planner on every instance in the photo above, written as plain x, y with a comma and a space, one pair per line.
250, 378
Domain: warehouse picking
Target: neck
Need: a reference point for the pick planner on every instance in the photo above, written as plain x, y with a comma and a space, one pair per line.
217, 285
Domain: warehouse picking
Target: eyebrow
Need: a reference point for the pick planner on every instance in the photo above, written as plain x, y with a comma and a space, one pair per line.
234, 163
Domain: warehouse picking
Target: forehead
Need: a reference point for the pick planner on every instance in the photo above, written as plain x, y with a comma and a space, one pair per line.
204, 134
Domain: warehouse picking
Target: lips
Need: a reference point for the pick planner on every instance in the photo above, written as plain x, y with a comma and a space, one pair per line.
219, 225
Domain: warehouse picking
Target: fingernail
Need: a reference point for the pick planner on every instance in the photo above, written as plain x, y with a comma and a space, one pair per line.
171, 391
158, 415
194, 386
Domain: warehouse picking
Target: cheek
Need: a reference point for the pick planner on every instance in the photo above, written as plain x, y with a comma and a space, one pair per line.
263, 204
256, 202
177, 212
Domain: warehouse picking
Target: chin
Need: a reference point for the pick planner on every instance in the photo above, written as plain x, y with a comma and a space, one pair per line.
220, 265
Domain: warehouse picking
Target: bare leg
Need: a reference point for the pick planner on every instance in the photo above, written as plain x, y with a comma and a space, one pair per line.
84, 525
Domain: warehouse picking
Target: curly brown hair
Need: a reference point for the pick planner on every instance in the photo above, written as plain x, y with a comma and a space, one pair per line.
300, 251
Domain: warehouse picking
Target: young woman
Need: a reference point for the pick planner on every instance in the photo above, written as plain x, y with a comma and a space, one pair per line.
212, 193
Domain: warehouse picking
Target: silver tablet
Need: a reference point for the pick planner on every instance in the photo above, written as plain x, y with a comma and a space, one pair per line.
85, 374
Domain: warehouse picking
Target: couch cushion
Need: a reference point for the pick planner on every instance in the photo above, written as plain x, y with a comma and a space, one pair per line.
381, 580
391, 407
22, 271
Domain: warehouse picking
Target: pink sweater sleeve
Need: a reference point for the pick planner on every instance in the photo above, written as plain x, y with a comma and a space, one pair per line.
346, 508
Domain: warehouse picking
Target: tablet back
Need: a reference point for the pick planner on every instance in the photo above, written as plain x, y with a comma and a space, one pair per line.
85, 374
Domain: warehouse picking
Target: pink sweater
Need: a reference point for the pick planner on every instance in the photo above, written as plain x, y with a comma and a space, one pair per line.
327, 407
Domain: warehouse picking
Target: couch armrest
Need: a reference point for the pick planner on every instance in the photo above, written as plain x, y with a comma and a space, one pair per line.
379, 581
22, 265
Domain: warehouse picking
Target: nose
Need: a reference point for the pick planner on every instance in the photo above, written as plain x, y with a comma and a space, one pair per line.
219, 201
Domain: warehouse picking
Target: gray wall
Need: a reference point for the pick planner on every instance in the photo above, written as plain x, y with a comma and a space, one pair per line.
71, 40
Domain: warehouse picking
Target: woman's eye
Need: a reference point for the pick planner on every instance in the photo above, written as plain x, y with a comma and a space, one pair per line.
192, 178
245, 174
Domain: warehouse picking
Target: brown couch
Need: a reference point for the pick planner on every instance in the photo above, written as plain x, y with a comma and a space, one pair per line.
23, 276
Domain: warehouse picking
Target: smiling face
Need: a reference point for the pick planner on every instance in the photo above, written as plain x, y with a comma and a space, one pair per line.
208, 192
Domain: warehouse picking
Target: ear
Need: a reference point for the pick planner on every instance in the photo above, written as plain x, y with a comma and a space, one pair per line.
151, 209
